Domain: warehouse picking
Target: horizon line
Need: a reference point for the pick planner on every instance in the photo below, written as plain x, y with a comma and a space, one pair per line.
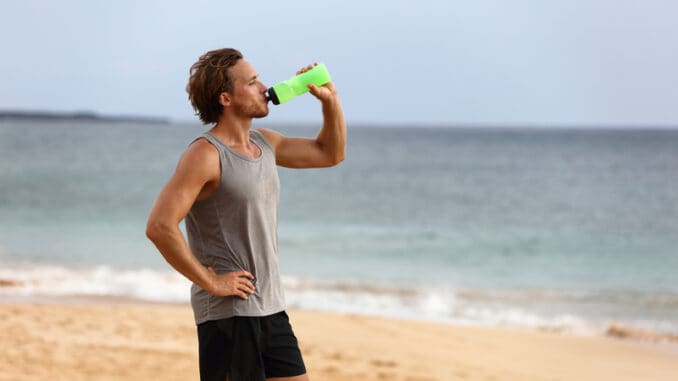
85, 115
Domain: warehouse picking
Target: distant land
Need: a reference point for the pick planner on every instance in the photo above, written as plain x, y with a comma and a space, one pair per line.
78, 116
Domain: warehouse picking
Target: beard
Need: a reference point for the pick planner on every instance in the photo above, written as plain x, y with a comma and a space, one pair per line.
253, 110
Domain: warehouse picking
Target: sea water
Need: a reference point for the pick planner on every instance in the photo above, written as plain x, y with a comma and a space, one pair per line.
561, 229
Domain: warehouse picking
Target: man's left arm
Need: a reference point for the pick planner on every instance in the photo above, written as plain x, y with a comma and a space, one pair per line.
327, 149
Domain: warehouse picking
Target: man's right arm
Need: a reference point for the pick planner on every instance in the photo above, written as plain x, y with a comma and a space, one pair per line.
198, 168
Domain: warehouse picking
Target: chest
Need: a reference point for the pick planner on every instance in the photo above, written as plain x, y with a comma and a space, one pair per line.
253, 180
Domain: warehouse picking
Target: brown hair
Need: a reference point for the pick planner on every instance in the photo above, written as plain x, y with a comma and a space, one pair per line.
208, 79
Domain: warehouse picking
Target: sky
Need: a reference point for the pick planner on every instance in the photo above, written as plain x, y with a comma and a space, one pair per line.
457, 63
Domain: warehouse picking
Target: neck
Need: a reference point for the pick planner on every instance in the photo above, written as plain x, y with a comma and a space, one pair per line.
232, 131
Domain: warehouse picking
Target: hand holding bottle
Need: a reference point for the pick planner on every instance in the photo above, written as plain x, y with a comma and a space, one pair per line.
324, 92
309, 78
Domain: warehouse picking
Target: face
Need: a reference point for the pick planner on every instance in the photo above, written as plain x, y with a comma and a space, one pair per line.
248, 97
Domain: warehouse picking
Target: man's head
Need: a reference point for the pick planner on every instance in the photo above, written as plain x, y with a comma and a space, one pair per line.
222, 78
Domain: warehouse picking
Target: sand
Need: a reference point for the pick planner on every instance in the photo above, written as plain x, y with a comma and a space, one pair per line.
127, 341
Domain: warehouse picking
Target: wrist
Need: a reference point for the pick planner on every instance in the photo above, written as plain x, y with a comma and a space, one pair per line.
208, 283
330, 103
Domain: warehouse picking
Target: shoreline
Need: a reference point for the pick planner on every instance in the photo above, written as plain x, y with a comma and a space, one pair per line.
614, 330
130, 340
455, 306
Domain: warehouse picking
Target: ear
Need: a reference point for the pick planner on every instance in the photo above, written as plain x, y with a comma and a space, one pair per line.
225, 99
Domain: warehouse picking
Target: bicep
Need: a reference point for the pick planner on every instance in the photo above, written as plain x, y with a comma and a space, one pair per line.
173, 202
195, 169
293, 152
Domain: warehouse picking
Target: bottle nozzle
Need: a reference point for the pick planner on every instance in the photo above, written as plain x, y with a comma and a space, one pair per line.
271, 96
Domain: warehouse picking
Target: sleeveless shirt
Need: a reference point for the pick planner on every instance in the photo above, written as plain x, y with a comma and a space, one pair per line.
236, 228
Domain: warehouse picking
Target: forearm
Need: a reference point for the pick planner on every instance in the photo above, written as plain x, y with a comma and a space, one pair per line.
171, 243
332, 136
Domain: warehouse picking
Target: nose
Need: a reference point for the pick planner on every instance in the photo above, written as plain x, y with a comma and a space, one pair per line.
262, 87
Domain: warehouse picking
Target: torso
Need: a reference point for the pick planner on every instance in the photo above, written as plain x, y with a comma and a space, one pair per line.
251, 150
235, 228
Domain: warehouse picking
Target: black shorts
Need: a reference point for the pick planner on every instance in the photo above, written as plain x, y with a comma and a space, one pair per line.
249, 348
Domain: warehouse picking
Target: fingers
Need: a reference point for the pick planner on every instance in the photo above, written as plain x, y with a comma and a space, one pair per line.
246, 285
244, 281
243, 285
313, 89
244, 288
324, 93
246, 274
307, 68
316, 92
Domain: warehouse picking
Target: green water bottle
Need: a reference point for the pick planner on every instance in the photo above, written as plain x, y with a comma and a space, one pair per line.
286, 90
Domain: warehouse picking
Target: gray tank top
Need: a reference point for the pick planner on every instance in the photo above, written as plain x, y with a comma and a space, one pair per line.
236, 228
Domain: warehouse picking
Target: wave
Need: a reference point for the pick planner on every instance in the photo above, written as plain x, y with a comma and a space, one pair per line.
55, 281
497, 308
425, 303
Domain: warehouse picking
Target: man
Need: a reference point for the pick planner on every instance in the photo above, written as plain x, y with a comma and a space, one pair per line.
226, 188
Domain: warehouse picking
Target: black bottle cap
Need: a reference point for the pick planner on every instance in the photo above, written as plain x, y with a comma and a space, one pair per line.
272, 96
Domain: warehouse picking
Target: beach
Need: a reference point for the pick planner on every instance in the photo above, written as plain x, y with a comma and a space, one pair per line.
141, 341
447, 254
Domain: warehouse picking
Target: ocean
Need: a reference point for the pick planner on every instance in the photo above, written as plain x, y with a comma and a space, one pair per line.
569, 230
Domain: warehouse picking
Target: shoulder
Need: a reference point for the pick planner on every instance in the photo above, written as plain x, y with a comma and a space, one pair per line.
200, 158
270, 137
201, 149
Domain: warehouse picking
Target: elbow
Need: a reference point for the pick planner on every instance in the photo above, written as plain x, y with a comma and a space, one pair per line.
338, 158
330, 156
332, 160
152, 231
155, 230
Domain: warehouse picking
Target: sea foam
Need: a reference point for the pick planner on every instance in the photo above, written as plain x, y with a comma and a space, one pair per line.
418, 303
